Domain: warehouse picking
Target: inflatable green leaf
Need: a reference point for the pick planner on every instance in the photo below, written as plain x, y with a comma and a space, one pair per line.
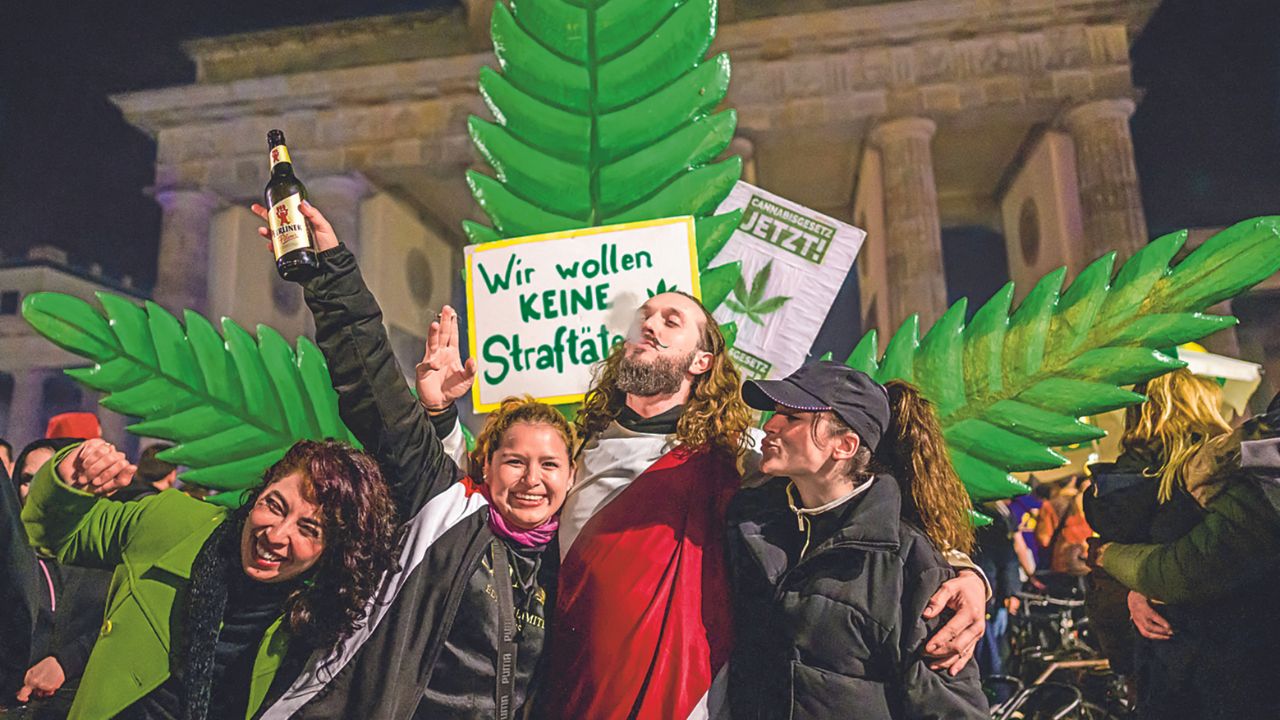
232, 404
1010, 387
604, 115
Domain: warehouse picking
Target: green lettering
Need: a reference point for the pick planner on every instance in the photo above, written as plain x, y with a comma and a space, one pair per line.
549, 305
490, 356
527, 310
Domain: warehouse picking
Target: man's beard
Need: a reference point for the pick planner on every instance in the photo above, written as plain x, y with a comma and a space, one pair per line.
663, 376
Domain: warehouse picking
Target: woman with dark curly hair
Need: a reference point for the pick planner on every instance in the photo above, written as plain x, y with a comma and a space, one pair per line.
205, 602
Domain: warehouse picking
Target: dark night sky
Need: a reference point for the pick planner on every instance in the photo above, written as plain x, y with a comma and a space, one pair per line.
72, 171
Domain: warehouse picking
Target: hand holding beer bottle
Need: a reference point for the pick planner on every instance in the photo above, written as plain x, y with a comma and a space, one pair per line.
290, 234
325, 237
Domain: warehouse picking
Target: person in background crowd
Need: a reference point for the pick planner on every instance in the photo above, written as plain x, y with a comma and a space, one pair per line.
1000, 560
33, 457
1063, 532
832, 562
205, 601
74, 424
1208, 618
6, 457
154, 476
1024, 512
72, 601
1141, 498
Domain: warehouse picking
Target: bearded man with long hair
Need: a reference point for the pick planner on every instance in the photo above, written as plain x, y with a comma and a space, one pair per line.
642, 614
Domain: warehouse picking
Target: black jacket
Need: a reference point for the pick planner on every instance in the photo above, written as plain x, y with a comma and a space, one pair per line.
840, 634
384, 670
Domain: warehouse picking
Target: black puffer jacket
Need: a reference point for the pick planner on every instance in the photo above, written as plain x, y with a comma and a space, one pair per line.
840, 634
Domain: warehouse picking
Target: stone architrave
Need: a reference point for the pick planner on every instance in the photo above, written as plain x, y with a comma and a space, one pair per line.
339, 198
913, 234
183, 265
1110, 199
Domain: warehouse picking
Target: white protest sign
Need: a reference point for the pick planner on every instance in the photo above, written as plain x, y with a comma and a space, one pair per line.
794, 261
542, 310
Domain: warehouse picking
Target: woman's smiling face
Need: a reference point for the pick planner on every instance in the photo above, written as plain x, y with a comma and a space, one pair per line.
529, 474
283, 535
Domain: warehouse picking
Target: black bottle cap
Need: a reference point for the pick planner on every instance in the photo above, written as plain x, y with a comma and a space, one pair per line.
274, 138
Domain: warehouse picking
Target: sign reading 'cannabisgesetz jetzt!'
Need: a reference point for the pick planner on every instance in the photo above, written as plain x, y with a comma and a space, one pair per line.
794, 261
542, 310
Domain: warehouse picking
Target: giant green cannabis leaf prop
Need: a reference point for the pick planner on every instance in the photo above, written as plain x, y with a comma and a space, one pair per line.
1010, 387
232, 405
604, 115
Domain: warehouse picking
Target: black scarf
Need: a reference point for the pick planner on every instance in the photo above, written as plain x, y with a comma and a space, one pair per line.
206, 603
222, 636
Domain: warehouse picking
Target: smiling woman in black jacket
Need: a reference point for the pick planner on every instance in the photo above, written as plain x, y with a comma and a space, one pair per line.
830, 563
438, 627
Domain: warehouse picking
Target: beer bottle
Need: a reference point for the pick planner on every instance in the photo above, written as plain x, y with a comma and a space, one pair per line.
291, 234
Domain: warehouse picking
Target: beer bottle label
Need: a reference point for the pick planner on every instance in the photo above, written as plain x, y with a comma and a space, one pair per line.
289, 229
279, 154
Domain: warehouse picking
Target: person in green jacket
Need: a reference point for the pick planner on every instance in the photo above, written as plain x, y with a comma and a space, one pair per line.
205, 601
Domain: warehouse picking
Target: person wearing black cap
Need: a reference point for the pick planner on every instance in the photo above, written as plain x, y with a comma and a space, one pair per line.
834, 559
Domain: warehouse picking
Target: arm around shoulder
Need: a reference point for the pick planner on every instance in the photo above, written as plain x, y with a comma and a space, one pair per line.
1222, 552
923, 692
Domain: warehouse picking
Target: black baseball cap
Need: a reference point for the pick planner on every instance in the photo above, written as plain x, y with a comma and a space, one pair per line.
862, 403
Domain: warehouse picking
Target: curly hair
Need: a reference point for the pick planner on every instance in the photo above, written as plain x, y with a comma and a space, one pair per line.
360, 533
1180, 415
915, 453
511, 411
714, 417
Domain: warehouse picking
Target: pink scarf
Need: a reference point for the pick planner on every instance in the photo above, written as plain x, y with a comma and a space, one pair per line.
536, 537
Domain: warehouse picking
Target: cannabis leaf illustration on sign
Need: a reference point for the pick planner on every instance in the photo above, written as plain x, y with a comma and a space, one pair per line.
751, 301
663, 287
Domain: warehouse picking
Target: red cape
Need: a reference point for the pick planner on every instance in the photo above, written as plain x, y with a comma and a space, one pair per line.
642, 615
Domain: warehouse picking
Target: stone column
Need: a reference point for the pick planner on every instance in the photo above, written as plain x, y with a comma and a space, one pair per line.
1109, 196
479, 14
182, 270
338, 197
27, 418
912, 231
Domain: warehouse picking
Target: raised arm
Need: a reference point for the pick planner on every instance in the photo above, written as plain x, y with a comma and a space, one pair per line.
67, 515
373, 398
